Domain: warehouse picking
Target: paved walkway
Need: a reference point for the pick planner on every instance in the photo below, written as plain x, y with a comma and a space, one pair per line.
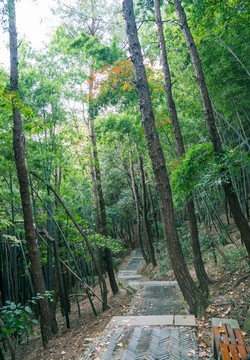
157, 326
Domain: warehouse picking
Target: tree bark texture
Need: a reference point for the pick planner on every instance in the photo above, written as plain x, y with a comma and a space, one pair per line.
167, 83
239, 218
96, 211
152, 206
56, 295
22, 172
98, 184
144, 214
198, 262
199, 77
108, 253
197, 302
138, 222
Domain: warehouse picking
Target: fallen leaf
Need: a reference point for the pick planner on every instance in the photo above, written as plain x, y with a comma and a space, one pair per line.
191, 353
228, 310
120, 344
203, 353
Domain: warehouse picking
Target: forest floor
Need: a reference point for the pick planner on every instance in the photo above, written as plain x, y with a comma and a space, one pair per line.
229, 298
71, 344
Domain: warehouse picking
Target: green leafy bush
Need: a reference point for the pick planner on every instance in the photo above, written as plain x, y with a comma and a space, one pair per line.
202, 166
17, 320
115, 245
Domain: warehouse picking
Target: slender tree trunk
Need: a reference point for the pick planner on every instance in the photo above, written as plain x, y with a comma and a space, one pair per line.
235, 208
152, 207
95, 196
108, 253
19, 153
198, 262
96, 208
58, 269
2, 290
138, 222
56, 295
105, 304
197, 302
144, 214
96, 211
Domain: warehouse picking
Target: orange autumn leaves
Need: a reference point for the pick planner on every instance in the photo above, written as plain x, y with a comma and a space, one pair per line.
116, 82
111, 82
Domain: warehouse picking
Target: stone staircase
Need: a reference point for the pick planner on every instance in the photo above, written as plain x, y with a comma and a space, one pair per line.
157, 327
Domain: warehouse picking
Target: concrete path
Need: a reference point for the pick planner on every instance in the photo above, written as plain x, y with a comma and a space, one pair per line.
157, 327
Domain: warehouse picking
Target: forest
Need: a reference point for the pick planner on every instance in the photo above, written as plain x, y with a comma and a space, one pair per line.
129, 128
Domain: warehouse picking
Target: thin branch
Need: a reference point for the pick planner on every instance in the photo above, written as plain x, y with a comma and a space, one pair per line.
85, 285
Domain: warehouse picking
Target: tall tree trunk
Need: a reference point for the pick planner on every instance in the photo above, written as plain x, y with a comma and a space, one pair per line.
63, 294
197, 302
138, 222
96, 211
95, 196
19, 153
152, 206
56, 295
235, 208
198, 262
144, 214
108, 253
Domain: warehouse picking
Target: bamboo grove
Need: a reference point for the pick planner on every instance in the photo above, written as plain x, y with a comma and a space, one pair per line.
133, 129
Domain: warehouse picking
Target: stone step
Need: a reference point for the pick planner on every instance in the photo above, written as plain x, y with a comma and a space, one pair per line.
153, 320
141, 343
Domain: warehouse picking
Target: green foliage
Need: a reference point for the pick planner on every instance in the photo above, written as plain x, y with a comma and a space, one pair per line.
186, 175
17, 320
201, 167
4, 223
235, 256
115, 245
100, 53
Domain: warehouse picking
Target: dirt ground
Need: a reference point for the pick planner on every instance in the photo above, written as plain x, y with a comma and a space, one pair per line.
71, 344
229, 298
